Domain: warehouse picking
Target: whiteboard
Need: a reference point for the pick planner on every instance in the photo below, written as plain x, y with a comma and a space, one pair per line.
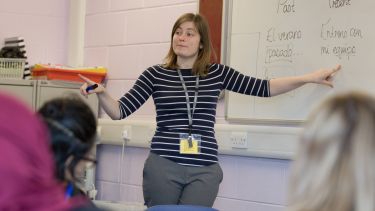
275, 38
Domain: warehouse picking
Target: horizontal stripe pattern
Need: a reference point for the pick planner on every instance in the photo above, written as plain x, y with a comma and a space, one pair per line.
166, 89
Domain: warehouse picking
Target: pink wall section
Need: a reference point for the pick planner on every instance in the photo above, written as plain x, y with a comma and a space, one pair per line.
42, 23
129, 36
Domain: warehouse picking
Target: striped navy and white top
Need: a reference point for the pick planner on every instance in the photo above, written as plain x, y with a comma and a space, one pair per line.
171, 112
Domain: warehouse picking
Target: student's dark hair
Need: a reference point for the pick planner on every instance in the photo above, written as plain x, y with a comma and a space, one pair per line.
72, 126
202, 63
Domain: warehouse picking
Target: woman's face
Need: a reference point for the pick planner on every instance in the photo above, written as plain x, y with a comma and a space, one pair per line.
186, 41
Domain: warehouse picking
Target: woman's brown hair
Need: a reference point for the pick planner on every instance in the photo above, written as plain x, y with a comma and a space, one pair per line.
202, 63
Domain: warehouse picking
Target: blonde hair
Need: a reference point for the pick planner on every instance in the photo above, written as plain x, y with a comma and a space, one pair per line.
202, 63
334, 168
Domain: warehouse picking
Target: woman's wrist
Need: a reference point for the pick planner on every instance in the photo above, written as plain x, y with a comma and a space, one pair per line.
306, 78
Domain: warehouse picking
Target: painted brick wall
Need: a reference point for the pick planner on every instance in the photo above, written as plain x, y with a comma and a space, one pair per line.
43, 24
129, 36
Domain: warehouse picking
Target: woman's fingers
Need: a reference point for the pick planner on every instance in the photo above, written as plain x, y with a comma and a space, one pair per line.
335, 69
82, 89
85, 85
87, 80
333, 72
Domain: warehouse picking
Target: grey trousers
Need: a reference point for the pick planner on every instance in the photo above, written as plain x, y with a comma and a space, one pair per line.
166, 182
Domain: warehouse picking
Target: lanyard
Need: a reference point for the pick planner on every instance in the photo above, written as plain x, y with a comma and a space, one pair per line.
190, 113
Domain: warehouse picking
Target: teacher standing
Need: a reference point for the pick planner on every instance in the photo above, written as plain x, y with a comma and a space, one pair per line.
182, 167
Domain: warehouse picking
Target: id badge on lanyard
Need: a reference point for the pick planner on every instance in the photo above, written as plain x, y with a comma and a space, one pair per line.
190, 143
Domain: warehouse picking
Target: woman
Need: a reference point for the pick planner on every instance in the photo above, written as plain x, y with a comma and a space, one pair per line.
27, 171
182, 167
334, 167
72, 126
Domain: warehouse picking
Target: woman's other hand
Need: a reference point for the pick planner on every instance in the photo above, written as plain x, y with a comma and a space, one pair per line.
322, 76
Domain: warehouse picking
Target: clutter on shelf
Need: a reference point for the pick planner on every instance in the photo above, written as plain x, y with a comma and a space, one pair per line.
60, 72
13, 59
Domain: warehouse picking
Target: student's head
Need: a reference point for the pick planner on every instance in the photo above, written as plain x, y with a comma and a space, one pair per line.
72, 126
27, 176
190, 38
334, 168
